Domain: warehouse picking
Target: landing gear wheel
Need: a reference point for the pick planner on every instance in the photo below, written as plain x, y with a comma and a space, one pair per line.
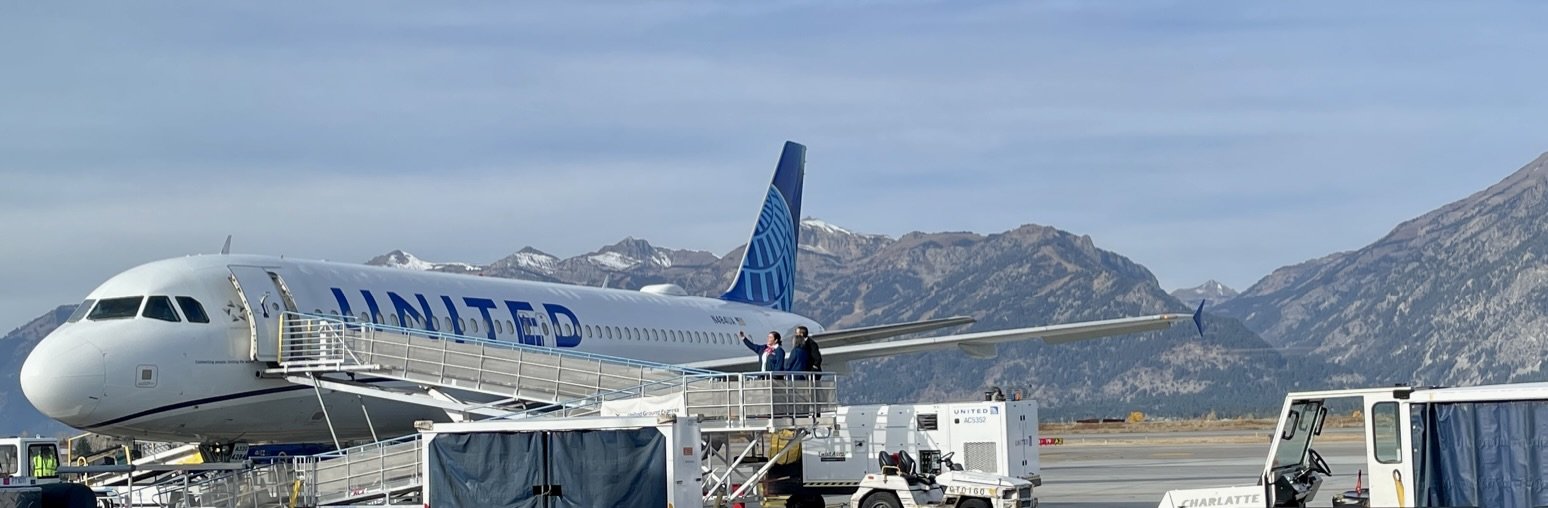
881, 500
973, 503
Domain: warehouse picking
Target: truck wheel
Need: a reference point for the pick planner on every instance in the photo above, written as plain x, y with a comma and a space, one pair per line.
881, 500
973, 503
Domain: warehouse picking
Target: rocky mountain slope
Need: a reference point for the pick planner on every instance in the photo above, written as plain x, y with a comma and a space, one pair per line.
1029, 276
1455, 296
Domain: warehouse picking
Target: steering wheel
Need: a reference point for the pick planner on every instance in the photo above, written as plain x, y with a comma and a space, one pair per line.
1317, 464
946, 461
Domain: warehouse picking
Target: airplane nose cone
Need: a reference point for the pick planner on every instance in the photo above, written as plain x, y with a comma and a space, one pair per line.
64, 378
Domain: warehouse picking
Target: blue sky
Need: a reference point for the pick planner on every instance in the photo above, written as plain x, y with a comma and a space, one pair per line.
1201, 139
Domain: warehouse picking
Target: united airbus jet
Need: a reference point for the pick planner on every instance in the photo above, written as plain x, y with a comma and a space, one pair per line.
175, 349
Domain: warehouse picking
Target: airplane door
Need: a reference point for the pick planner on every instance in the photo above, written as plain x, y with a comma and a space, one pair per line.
264, 298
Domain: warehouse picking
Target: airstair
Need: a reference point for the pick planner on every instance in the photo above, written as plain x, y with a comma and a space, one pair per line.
478, 378
314, 347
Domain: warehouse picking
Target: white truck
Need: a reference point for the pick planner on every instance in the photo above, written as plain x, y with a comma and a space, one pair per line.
1424, 447
994, 437
29, 475
28, 461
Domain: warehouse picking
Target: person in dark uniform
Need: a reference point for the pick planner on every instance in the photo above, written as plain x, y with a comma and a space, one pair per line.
813, 353
771, 357
797, 361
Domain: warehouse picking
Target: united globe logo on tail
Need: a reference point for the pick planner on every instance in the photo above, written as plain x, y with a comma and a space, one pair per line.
768, 271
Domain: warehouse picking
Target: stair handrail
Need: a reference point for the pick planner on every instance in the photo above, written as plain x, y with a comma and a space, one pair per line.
351, 321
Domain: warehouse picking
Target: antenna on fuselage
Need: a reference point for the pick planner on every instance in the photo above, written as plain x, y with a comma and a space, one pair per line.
226, 249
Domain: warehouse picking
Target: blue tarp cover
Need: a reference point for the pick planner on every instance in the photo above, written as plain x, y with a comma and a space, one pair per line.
1482, 453
587, 469
607, 468
485, 469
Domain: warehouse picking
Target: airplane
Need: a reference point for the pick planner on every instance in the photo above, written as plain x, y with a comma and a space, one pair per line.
173, 350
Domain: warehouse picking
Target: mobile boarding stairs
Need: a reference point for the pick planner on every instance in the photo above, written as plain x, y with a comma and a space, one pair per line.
523, 381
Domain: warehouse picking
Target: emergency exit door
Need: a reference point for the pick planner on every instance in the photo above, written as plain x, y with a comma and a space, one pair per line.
264, 299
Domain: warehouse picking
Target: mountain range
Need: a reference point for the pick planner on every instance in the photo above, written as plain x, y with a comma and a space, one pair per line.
1455, 296
1028, 276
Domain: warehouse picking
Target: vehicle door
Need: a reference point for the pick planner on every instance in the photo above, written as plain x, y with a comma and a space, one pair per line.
1387, 436
1289, 472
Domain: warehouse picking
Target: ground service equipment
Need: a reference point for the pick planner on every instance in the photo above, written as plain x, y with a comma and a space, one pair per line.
996, 437
900, 485
1424, 447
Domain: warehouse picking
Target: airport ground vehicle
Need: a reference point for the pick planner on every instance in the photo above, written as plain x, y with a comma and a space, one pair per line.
900, 485
1469, 446
656, 461
29, 475
994, 437
19, 455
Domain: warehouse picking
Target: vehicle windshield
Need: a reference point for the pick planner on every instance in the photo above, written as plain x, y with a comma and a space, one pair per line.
1300, 423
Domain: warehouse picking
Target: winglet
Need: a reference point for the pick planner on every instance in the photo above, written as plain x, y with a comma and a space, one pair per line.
1198, 318
226, 249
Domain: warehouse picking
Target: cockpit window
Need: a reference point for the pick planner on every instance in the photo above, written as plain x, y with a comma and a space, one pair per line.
116, 308
160, 307
192, 310
80, 312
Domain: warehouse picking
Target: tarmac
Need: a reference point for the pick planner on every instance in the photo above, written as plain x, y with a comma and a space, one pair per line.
1135, 470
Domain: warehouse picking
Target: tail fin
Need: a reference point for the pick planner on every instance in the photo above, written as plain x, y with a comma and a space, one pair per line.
768, 272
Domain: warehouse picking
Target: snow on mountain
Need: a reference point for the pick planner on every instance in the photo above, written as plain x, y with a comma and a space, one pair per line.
533, 259
613, 260
406, 261
1211, 290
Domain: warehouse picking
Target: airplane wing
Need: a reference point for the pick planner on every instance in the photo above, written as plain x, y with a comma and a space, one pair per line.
836, 338
978, 344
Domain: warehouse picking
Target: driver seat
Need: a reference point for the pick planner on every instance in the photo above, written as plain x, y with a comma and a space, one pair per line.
901, 465
887, 463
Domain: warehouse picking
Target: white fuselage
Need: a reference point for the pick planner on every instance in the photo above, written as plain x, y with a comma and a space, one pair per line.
187, 381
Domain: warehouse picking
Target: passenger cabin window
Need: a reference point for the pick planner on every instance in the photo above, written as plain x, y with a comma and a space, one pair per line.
116, 308
192, 310
80, 312
160, 307
1386, 435
8, 463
